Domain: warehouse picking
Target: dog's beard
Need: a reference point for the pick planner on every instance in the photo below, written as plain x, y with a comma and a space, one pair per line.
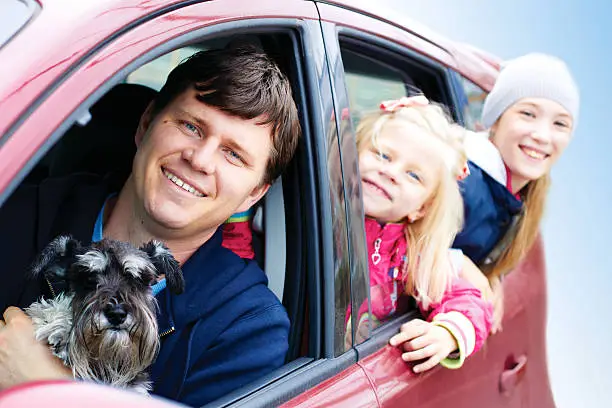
99, 352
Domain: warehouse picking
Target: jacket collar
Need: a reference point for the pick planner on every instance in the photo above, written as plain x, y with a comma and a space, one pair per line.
166, 300
213, 276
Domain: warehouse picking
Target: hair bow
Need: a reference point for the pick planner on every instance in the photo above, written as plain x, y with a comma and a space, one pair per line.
404, 102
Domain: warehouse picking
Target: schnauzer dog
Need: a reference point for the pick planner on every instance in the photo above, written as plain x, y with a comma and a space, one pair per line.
104, 327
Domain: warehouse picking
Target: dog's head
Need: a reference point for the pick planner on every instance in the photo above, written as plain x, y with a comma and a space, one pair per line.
113, 306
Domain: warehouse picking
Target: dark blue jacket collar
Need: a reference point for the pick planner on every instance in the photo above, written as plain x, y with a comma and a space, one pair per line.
209, 282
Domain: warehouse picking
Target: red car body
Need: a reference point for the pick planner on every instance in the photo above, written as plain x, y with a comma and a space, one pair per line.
53, 66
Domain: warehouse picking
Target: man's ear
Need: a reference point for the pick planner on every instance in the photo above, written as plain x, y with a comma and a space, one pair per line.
254, 197
144, 123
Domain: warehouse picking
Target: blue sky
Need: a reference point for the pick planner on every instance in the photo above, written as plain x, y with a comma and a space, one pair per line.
578, 221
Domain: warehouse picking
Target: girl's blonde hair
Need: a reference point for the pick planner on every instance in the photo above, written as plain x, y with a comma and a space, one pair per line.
428, 268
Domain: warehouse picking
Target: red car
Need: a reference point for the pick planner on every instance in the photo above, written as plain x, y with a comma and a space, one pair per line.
77, 75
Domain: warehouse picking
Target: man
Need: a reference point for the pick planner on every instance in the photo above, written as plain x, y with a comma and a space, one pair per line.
222, 128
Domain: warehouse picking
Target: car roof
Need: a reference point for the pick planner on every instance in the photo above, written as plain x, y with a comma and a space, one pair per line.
475, 64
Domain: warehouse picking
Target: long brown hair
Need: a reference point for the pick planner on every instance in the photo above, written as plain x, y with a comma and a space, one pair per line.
534, 200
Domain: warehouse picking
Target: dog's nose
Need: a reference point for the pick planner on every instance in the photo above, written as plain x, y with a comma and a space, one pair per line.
115, 314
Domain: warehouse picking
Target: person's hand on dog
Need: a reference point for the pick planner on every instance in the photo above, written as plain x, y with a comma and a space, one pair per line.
22, 358
422, 340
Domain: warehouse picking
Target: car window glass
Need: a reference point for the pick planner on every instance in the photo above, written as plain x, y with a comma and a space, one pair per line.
368, 83
473, 102
14, 14
155, 72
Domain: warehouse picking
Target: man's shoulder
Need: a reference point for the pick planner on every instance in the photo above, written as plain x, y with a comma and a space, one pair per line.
217, 279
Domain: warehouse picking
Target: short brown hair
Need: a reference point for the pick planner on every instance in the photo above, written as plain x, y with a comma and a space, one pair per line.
243, 81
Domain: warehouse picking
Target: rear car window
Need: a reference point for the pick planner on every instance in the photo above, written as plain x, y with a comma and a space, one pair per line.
474, 102
14, 14
369, 82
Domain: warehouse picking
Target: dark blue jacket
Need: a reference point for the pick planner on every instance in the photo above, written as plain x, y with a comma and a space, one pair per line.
226, 330
489, 210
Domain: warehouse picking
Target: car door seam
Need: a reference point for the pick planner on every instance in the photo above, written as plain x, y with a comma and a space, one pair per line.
371, 381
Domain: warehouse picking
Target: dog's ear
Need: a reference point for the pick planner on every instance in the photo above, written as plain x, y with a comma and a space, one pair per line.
166, 264
57, 257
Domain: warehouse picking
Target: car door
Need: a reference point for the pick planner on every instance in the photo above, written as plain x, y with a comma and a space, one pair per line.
54, 90
511, 368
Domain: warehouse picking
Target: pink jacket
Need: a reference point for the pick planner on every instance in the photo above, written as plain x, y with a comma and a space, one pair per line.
462, 311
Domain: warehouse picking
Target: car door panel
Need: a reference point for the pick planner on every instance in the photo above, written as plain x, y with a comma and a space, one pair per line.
80, 83
510, 370
350, 388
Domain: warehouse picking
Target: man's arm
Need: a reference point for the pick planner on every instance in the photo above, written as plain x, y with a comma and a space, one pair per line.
252, 347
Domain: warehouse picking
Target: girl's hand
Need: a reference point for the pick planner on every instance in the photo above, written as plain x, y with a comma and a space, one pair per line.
423, 340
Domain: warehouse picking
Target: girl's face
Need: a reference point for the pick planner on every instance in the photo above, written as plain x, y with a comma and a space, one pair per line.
530, 136
399, 175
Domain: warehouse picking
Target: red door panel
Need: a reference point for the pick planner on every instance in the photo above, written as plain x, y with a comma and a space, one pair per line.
509, 371
349, 389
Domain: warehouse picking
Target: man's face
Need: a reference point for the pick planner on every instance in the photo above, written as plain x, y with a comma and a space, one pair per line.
196, 165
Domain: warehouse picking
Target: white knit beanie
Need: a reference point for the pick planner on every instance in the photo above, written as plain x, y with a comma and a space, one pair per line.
531, 76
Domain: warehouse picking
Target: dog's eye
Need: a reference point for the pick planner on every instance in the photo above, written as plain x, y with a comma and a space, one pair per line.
83, 278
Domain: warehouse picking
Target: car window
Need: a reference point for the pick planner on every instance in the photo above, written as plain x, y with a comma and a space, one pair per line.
14, 14
374, 75
153, 74
472, 104
368, 82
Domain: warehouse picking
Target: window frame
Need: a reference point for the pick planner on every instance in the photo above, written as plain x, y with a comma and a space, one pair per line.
397, 57
459, 82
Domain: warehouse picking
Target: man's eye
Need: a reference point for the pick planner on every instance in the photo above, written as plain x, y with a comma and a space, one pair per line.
191, 128
234, 157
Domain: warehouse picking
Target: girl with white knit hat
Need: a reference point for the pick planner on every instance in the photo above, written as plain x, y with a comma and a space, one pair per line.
531, 114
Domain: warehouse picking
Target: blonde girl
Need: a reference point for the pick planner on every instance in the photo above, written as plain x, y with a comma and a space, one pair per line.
410, 157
